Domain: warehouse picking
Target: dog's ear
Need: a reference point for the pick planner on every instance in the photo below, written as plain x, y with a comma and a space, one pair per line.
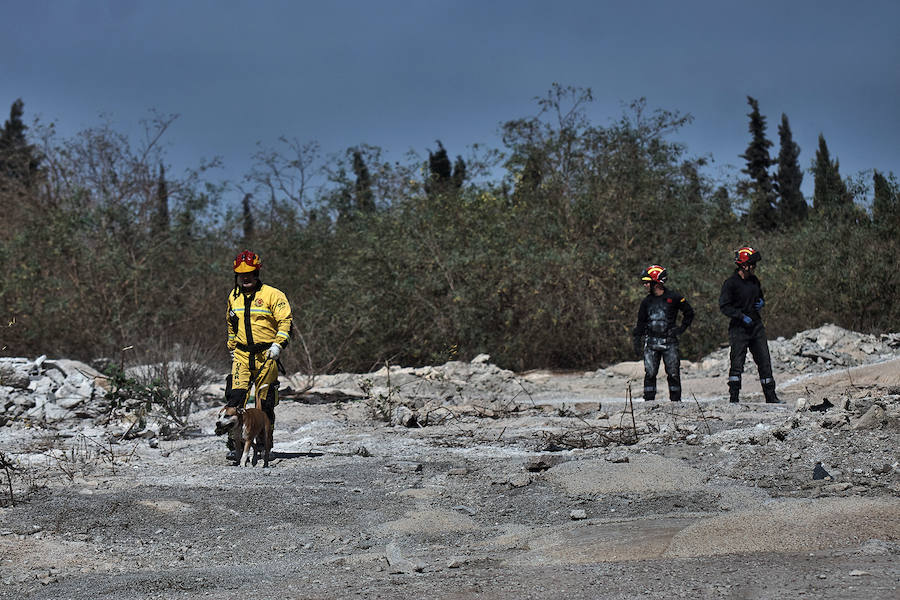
222, 411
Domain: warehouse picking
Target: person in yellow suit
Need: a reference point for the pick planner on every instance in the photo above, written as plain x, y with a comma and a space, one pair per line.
259, 327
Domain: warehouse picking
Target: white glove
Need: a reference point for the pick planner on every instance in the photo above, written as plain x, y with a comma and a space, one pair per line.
231, 352
274, 351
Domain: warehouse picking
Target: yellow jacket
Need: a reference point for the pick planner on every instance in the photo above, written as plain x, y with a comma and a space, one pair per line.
258, 319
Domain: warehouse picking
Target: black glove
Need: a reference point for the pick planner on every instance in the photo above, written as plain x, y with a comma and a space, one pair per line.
638, 345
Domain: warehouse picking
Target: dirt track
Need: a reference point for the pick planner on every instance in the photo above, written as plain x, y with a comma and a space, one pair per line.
715, 500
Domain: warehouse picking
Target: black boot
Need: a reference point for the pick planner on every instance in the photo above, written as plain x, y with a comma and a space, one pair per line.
768, 387
734, 389
674, 392
771, 397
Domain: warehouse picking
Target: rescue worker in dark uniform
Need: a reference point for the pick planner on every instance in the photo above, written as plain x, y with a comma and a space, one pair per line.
742, 300
656, 333
259, 327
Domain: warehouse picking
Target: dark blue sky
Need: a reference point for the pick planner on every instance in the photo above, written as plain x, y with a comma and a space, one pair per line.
401, 74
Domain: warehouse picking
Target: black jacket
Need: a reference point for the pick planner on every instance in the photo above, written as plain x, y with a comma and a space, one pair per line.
739, 297
657, 315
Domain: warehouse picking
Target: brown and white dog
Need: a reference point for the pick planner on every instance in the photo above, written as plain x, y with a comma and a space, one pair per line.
253, 428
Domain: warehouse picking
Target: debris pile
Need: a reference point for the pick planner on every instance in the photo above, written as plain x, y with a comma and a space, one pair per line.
813, 351
66, 394
427, 395
49, 391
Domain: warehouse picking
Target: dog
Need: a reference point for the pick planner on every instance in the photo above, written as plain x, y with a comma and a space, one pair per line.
254, 428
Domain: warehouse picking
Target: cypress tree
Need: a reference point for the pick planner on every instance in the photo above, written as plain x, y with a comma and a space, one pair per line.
792, 206
442, 176
762, 193
722, 210
19, 161
248, 219
365, 199
341, 198
830, 192
886, 203
160, 221
459, 172
439, 163
531, 176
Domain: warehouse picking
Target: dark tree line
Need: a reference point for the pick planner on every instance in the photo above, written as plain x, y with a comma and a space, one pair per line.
415, 262
776, 200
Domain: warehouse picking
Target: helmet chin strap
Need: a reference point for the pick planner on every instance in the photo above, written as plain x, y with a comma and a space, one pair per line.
238, 288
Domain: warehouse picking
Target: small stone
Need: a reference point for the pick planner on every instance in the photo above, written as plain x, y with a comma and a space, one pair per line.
836, 487
617, 457
465, 509
520, 480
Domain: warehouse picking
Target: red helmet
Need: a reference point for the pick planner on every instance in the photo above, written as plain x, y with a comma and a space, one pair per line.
655, 274
246, 262
746, 256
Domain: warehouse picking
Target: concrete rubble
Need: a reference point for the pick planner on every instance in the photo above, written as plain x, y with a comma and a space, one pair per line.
53, 392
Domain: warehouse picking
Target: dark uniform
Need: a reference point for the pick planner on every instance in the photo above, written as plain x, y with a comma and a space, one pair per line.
656, 321
740, 300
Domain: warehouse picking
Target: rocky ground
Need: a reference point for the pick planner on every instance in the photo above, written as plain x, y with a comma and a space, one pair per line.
466, 481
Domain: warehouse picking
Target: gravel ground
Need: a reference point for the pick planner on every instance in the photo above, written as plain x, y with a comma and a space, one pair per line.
542, 496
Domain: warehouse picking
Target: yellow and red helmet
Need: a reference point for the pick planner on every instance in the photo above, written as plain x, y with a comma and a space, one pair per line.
655, 274
746, 256
246, 262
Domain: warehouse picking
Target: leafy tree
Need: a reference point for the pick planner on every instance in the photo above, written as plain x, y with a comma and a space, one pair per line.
99, 256
549, 151
285, 175
762, 213
792, 206
830, 194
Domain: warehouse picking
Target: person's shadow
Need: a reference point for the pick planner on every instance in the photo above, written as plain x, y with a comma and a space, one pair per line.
286, 455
